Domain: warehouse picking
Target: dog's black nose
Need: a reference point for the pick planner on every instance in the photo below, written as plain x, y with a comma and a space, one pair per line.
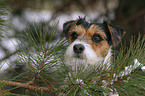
78, 48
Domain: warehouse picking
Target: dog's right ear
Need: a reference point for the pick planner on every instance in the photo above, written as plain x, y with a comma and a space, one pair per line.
115, 32
66, 27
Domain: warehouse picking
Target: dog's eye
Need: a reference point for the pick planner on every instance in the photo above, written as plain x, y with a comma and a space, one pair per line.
96, 38
74, 35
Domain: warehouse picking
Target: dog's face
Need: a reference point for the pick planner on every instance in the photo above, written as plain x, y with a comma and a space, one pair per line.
90, 42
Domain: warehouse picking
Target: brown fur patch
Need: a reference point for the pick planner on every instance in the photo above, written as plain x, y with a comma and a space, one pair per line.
95, 29
79, 30
101, 48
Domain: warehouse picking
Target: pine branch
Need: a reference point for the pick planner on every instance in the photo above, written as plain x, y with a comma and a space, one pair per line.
9, 55
120, 80
26, 85
13, 53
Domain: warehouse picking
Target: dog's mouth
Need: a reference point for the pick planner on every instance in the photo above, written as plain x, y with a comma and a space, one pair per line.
78, 55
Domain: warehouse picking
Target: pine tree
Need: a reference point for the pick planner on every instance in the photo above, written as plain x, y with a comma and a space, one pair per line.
42, 71
2, 13
45, 74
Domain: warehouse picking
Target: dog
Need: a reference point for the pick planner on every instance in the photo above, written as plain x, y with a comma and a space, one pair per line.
90, 43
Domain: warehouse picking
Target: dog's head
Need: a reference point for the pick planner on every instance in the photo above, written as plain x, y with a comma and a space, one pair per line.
90, 42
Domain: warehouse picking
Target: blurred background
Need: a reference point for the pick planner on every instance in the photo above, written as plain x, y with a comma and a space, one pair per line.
127, 14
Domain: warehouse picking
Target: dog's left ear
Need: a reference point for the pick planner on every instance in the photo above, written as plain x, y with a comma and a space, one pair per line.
116, 33
66, 27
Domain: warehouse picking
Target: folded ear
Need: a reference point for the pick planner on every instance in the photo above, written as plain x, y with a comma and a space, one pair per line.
116, 33
66, 27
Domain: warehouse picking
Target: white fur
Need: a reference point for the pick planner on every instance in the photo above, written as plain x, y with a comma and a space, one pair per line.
89, 56
107, 59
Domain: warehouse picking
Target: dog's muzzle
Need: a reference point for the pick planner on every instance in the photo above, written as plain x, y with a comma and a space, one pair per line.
80, 52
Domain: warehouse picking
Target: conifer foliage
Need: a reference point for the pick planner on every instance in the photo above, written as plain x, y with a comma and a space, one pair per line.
45, 74
2, 21
42, 72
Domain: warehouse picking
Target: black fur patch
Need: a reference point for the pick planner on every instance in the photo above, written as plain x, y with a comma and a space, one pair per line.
114, 34
83, 22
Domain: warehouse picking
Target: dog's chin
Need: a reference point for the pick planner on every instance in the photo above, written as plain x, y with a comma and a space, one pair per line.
75, 61
78, 56
79, 60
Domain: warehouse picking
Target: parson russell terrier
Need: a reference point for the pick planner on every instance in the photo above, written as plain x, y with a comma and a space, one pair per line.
90, 43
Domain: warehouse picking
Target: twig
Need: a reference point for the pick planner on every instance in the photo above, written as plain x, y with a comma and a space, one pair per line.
26, 85
124, 78
9, 55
